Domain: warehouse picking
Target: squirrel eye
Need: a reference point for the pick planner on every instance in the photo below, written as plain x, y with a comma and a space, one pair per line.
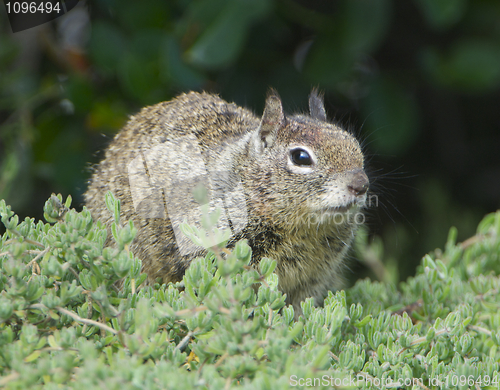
300, 157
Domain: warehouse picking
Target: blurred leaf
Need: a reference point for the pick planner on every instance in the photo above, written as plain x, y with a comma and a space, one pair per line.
107, 46
138, 76
145, 44
18, 86
221, 42
15, 165
8, 172
67, 154
174, 70
144, 14
106, 115
442, 14
471, 65
204, 12
482, 18
357, 30
364, 23
139, 68
329, 61
439, 206
392, 117
8, 50
80, 93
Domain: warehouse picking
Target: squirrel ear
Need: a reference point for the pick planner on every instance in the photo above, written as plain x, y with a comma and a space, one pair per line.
272, 119
316, 106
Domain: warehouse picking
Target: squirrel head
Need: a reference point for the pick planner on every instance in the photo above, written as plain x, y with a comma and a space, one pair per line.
306, 163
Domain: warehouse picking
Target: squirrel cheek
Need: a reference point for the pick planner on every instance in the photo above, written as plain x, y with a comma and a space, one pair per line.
335, 196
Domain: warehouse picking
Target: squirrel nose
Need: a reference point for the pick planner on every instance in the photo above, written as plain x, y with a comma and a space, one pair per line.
358, 184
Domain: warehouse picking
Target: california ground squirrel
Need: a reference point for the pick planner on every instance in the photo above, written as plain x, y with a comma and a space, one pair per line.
293, 186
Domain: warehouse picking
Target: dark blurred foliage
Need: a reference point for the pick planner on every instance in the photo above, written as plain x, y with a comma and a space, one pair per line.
418, 81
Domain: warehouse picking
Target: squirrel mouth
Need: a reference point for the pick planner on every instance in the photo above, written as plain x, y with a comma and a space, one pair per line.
344, 209
341, 209
342, 204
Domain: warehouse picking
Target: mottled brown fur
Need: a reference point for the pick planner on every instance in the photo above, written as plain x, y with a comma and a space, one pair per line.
286, 203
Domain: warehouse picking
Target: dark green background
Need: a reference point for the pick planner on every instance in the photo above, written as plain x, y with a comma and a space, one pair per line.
418, 81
